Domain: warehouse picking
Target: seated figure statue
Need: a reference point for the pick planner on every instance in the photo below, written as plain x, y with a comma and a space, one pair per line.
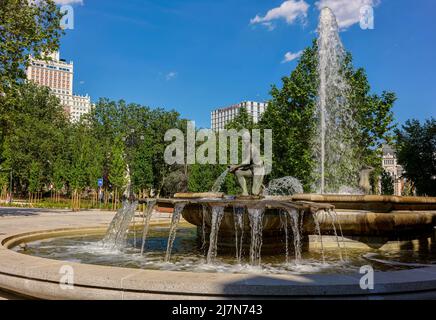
255, 169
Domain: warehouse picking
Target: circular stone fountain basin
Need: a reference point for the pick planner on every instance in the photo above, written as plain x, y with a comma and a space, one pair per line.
39, 277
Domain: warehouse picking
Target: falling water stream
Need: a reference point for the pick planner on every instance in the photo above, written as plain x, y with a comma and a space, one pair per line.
203, 226
331, 215
295, 225
219, 182
255, 215
148, 212
284, 225
335, 222
178, 208
291, 221
238, 216
217, 217
318, 231
117, 232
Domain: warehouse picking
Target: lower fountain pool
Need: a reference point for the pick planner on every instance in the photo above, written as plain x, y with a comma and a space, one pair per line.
188, 254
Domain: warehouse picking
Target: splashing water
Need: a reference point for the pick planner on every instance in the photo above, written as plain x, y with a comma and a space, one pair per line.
285, 186
217, 217
148, 212
118, 228
238, 216
334, 146
256, 223
178, 208
219, 182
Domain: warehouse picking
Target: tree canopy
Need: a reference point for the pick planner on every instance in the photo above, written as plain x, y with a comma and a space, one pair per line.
291, 116
416, 152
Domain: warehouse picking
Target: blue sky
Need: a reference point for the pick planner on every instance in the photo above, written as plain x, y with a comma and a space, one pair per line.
197, 55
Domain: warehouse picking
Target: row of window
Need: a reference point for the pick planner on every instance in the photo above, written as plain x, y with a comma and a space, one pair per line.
389, 162
36, 64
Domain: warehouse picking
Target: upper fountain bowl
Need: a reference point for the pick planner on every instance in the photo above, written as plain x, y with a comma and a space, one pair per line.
359, 215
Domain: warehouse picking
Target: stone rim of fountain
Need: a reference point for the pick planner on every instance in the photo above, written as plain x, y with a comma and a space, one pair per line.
39, 277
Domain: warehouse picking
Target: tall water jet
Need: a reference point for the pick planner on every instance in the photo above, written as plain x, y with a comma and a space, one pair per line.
178, 208
334, 147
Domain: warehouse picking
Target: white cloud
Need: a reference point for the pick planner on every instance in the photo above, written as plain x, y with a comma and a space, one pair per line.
64, 2
290, 10
171, 75
290, 56
269, 25
347, 11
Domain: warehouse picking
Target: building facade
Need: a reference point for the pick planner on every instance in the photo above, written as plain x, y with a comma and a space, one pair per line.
391, 166
58, 75
220, 117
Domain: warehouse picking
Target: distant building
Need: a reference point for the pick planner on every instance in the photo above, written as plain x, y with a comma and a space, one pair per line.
58, 75
391, 166
220, 117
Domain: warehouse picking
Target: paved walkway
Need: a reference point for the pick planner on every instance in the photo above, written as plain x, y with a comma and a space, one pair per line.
17, 220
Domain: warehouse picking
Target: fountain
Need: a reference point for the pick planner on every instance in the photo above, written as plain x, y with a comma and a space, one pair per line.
334, 147
278, 231
264, 223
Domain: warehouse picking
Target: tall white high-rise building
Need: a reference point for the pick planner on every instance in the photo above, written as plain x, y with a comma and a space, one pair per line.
58, 75
220, 117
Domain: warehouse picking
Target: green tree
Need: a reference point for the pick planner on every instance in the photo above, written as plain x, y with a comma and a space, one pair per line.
80, 149
203, 176
387, 184
416, 151
60, 176
37, 136
118, 166
112, 120
35, 175
291, 116
26, 28
142, 166
241, 121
